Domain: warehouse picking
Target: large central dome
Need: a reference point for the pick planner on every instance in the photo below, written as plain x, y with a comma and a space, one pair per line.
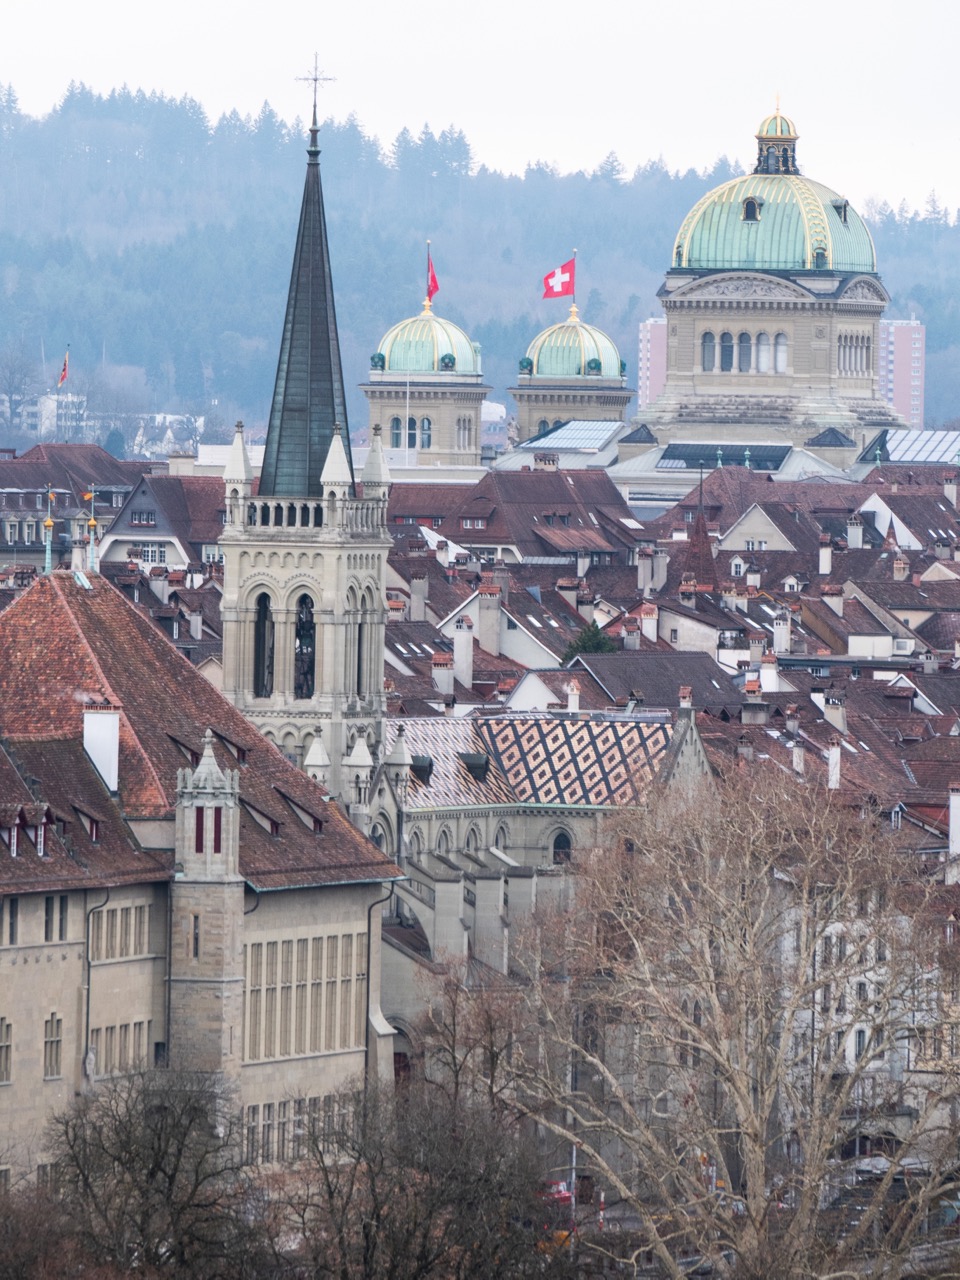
774, 219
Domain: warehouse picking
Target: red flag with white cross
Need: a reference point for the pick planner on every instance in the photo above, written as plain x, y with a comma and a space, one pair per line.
559, 283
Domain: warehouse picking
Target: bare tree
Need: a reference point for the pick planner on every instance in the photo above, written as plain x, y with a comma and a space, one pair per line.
728, 1027
19, 379
150, 1170
410, 1186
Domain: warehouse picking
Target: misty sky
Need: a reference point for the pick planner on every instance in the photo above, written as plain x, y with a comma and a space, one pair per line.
870, 86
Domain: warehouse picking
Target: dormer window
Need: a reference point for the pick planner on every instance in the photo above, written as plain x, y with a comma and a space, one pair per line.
751, 210
842, 207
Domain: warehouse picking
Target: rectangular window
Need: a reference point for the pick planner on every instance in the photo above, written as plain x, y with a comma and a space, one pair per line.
109, 1050
48, 918
6, 1050
253, 1126
198, 814
300, 1034
281, 1131
13, 921
316, 997
256, 996
286, 996
123, 1047
110, 939
138, 1044
270, 1004
266, 1136
360, 991
330, 1029
195, 938
860, 1043
64, 907
52, 1041
346, 993
125, 921
218, 830
140, 933
296, 1145
674, 635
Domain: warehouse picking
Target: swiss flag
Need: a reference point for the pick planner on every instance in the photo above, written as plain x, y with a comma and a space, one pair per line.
432, 286
559, 283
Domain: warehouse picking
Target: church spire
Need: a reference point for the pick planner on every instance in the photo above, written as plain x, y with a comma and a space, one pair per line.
308, 397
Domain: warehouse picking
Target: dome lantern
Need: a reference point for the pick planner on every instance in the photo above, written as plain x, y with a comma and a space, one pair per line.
777, 145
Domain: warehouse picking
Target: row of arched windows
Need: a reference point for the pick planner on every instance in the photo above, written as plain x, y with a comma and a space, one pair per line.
465, 433
425, 427
743, 353
358, 672
854, 353
561, 846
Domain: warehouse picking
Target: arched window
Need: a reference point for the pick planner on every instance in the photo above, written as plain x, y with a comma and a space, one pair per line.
543, 425
763, 353
500, 841
396, 433
684, 1037
411, 433
561, 848
305, 650
744, 353
726, 353
697, 1022
443, 842
751, 211
426, 433
708, 352
819, 259
780, 353
473, 840
378, 835
263, 648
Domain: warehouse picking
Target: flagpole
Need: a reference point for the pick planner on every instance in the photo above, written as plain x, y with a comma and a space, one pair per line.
574, 277
427, 289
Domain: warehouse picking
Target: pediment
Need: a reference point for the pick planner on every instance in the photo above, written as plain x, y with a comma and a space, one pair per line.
864, 290
740, 288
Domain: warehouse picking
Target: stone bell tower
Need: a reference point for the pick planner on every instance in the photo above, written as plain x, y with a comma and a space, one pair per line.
305, 558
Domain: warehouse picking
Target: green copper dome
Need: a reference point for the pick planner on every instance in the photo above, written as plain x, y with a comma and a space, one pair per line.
774, 219
573, 349
427, 344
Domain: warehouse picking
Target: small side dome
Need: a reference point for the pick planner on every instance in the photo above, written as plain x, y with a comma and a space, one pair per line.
427, 344
572, 349
777, 126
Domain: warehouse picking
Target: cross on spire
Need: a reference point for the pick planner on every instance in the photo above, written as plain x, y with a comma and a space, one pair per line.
316, 78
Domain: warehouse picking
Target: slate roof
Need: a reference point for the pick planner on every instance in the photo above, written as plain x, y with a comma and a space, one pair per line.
535, 758
62, 646
657, 678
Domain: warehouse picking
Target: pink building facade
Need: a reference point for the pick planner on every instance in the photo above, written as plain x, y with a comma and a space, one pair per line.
652, 361
901, 367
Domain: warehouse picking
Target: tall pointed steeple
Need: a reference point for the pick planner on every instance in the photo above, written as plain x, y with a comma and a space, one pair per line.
308, 398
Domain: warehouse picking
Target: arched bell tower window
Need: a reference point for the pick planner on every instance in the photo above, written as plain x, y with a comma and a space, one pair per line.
411, 433
780, 353
426, 433
708, 352
726, 353
396, 433
751, 210
263, 648
305, 650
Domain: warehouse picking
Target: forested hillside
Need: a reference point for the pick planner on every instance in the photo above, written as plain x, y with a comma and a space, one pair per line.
158, 244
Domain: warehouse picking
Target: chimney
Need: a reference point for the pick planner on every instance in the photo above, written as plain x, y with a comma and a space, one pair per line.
769, 674
835, 711
101, 742
728, 595
196, 625
854, 532
567, 589
501, 576
929, 663
644, 570
573, 696
649, 621
744, 749
901, 569
952, 874
799, 758
660, 561
546, 462
833, 764
443, 553
793, 720
781, 632
631, 634
688, 591
754, 710
833, 596
826, 555
463, 650
418, 597
489, 630
443, 673
585, 605
950, 489
686, 700
753, 576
